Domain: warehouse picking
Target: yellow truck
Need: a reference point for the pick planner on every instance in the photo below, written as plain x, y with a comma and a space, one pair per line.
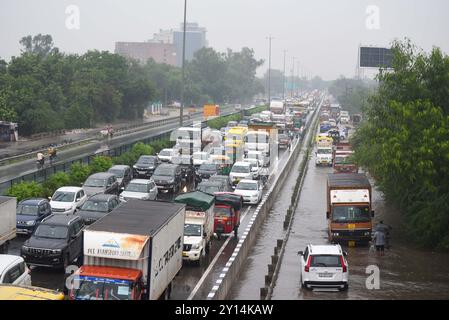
211, 110
235, 143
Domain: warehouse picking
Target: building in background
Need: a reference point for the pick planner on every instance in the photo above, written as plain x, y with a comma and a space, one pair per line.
166, 46
142, 51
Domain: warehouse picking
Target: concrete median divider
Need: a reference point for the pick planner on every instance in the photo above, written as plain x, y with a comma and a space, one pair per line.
232, 268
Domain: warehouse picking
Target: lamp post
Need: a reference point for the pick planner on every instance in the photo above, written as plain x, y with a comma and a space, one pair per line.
181, 111
283, 79
269, 69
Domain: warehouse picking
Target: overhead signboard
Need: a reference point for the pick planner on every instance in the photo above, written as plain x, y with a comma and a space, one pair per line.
375, 57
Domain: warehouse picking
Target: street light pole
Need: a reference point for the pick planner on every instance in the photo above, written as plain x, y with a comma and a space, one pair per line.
269, 70
283, 79
293, 76
181, 111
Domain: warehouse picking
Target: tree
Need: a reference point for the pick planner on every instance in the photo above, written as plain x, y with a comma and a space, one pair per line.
40, 44
404, 142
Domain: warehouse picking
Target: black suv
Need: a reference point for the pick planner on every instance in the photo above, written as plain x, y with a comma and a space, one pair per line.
56, 242
207, 169
30, 212
168, 177
145, 166
97, 207
101, 182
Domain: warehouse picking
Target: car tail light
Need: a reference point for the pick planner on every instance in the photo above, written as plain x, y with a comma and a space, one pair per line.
343, 264
307, 267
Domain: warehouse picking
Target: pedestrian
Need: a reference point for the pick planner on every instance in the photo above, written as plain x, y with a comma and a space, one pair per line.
379, 239
386, 230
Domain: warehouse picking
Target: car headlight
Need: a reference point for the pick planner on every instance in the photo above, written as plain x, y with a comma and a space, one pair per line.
30, 223
56, 251
134, 167
195, 246
336, 234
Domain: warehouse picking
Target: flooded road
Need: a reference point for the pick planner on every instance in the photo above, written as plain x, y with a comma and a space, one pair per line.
405, 272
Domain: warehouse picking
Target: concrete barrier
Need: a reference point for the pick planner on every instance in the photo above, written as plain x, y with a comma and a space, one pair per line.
231, 272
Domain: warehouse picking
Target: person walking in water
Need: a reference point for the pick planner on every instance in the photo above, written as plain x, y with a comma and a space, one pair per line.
379, 239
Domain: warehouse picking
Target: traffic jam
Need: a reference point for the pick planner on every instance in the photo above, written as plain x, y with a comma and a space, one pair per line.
129, 233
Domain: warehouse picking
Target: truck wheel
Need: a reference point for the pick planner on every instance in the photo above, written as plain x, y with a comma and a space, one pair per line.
236, 230
65, 262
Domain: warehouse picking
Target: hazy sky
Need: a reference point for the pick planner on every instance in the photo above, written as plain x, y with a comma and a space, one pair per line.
323, 34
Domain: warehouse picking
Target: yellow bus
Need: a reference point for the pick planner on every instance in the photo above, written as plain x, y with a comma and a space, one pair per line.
16, 292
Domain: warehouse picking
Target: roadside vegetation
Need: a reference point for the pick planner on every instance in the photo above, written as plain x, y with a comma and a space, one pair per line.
404, 141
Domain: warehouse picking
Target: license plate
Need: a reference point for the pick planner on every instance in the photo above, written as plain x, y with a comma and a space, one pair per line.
351, 226
325, 275
184, 254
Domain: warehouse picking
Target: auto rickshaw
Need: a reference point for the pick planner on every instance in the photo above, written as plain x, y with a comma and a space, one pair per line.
227, 213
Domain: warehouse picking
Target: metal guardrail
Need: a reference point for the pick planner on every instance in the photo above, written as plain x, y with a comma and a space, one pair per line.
42, 175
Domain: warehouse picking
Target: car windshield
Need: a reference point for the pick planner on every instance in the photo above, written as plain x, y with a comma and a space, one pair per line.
246, 186
283, 137
146, 160
192, 230
92, 288
164, 172
222, 212
27, 210
117, 172
240, 169
346, 214
325, 261
209, 188
165, 153
324, 151
137, 187
51, 232
93, 182
98, 206
343, 160
61, 196
208, 167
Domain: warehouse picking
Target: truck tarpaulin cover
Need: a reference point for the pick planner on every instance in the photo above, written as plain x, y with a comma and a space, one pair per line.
229, 199
114, 245
196, 199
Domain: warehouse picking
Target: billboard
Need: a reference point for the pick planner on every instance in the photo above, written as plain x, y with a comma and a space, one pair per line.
375, 57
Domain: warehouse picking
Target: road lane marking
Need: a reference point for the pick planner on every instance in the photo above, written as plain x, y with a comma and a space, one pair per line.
212, 264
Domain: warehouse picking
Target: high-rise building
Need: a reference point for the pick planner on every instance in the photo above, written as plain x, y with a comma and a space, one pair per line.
195, 40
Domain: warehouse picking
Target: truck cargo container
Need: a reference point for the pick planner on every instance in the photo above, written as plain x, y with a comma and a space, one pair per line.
7, 222
349, 208
133, 253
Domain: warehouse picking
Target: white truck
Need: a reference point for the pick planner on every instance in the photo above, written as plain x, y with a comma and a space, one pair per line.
7, 222
277, 107
324, 153
133, 253
199, 224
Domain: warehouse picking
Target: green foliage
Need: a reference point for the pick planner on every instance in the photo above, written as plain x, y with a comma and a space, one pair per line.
26, 190
100, 164
78, 173
405, 141
256, 110
221, 122
55, 181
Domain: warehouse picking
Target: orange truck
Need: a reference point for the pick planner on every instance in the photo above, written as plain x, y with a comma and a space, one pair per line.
211, 110
349, 208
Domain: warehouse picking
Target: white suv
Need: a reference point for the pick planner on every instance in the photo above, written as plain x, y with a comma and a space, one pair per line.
324, 266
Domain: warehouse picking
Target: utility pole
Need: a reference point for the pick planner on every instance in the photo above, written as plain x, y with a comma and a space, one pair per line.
293, 77
283, 79
269, 69
181, 111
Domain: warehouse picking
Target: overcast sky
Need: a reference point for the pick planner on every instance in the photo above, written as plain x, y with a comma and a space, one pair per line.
323, 34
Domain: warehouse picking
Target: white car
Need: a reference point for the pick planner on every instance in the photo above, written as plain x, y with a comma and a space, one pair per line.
256, 167
143, 189
165, 155
324, 266
264, 160
250, 190
13, 270
240, 170
67, 200
200, 157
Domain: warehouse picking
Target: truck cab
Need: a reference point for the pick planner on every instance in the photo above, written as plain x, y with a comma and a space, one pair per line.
107, 283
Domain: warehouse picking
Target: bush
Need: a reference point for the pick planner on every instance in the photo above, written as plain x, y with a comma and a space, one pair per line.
26, 190
221, 122
55, 181
100, 164
78, 173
